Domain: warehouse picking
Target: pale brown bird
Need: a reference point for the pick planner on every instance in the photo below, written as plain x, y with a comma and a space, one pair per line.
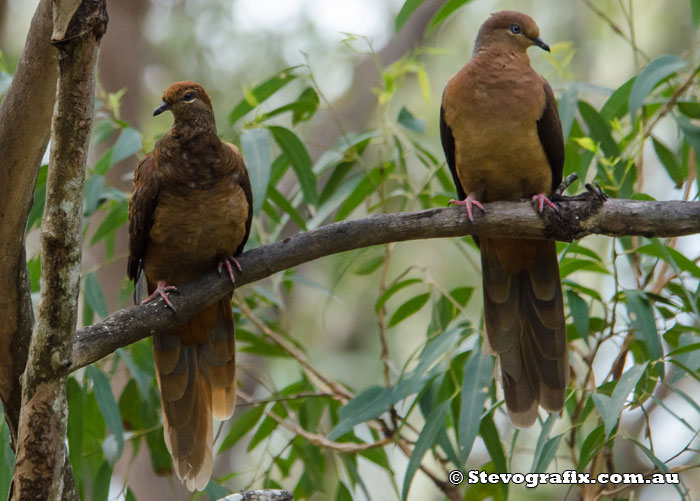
503, 141
191, 210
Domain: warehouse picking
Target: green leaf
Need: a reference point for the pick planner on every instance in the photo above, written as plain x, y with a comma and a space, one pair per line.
108, 406
447, 9
93, 194
644, 325
215, 491
302, 109
475, 385
129, 142
94, 296
492, 440
616, 105
689, 108
669, 161
409, 121
409, 308
695, 12
567, 108
342, 493
406, 10
374, 178
549, 450
653, 73
280, 201
599, 129
295, 152
118, 216
433, 424
101, 483
255, 144
75, 433
242, 425
7, 460
594, 441
579, 313
37, 210
261, 92
369, 266
393, 290
610, 407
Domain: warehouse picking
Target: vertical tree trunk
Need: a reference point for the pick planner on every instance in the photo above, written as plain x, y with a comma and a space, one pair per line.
41, 463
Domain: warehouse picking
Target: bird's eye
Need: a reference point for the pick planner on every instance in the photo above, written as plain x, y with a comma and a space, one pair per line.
189, 96
515, 28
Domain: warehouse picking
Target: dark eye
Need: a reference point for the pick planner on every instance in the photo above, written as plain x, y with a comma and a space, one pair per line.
515, 28
189, 96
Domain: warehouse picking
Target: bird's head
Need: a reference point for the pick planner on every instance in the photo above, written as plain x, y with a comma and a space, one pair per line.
511, 28
188, 102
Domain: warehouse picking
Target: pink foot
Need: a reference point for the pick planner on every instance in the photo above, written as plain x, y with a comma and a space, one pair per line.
469, 202
227, 261
161, 290
540, 200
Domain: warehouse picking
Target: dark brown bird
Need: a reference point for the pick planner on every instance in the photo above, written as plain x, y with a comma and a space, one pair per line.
191, 210
503, 141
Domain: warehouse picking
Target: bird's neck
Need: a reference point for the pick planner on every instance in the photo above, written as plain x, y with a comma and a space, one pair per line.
499, 55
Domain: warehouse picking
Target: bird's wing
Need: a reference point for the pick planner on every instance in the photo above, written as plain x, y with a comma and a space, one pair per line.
142, 205
551, 136
244, 181
448, 145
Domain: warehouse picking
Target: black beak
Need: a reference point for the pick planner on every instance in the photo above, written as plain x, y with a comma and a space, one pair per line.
540, 43
160, 109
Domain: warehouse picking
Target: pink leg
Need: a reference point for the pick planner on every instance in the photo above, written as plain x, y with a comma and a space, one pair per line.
227, 261
468, 202
540, 200
161, 290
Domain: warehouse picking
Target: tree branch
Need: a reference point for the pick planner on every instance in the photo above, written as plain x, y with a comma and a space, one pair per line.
578, 217
41, 468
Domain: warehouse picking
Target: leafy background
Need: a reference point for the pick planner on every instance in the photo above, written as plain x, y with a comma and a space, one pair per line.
363, 375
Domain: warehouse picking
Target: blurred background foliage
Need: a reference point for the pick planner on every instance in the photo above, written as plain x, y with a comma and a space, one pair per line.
363, 375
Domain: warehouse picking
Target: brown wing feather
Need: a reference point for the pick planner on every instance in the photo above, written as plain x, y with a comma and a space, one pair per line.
142, 205
448, 146
244, 181
551, 135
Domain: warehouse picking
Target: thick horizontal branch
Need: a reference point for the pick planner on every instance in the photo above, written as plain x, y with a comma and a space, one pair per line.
578, 217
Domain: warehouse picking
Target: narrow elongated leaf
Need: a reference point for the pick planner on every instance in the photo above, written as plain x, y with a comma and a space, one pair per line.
675, 170
644, 325
610, 407
117, 216
599, 129
94, 296
409, 121
579, 312
256, 147
695, 12
280, 201
447, 9
100, 490
299, 158
475, 385
434, 423
128, 143
108, 406
617, 104
367, 186
548, 452
409, 308
567, 108
653, 73
542, 441
393, 290
406, 10
242, 425
594, 441
261, 92
75, 433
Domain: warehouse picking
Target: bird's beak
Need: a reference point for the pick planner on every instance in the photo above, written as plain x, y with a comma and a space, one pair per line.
540, 43
160, 109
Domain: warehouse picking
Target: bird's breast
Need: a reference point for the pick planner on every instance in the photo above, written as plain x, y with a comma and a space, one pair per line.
194, 228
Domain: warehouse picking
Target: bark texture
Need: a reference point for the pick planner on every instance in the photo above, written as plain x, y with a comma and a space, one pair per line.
25, 125
41, 463
578, 217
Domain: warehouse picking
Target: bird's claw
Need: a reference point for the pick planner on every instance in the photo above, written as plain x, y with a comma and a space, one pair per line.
468, 202
162, 290
227, 261
540, 200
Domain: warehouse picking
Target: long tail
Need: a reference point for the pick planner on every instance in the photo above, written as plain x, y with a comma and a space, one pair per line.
196, 372
525, 325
